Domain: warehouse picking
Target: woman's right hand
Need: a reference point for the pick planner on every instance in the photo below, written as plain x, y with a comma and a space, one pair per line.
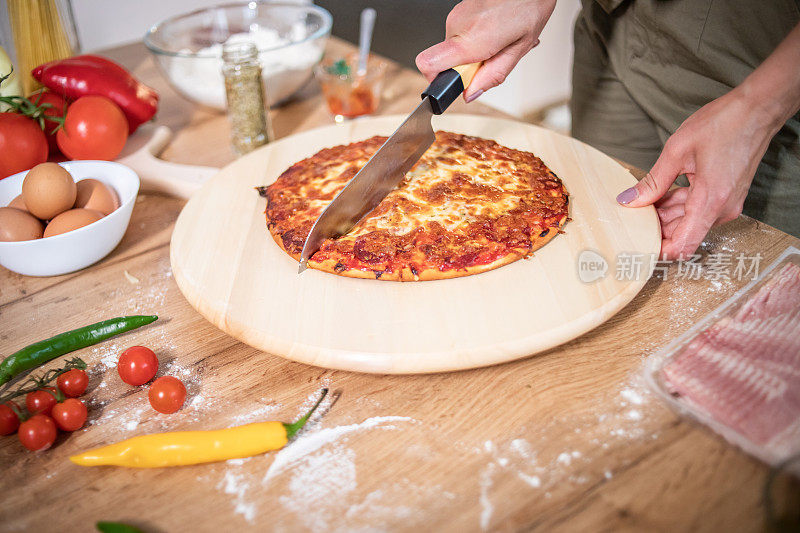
497, 32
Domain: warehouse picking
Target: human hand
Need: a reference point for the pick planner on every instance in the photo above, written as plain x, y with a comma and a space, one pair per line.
718, 149
497, 32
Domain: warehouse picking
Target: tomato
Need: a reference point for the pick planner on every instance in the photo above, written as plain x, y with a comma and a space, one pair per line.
37, 433
9, 421
69, 415
73, 382
40, 401
137, 365
167, 394
58, 109
95, 128
23, 144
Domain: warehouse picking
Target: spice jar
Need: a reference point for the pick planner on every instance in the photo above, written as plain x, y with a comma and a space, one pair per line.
244, 89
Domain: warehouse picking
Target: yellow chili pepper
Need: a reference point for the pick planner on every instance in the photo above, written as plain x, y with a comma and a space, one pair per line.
194, 447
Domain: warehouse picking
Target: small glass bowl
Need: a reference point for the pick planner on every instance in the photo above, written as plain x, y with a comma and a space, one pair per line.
347, 94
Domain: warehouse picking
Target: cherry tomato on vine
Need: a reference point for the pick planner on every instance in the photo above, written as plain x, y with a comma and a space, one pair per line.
94, 128
73, 382
9, 421
38, 432
41, 401
167, 394
137, 365
58, 109
23, 144
69, 415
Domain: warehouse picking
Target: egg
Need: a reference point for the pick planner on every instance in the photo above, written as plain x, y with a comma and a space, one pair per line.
16, 225
94, 194
18, 203
48, 190
70, 220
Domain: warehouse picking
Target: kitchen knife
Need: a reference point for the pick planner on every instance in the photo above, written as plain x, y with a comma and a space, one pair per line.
386, 168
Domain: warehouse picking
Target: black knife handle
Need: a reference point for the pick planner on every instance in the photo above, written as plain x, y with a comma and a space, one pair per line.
444, 90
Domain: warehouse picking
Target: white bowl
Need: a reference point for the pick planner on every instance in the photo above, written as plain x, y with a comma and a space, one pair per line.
76, 249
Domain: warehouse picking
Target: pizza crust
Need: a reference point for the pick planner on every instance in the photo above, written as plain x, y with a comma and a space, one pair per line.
328, 265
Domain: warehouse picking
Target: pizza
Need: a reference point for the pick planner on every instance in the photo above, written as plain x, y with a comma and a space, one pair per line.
469, 205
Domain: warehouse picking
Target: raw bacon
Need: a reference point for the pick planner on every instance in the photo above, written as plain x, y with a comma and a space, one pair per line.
744, 370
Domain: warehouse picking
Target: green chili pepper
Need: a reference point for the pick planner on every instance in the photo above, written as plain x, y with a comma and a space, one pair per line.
43, 351
116, 527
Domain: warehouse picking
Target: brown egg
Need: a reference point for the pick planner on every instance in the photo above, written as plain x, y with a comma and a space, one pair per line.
18, 203
16, 225
70, 220
48, 190
94, 194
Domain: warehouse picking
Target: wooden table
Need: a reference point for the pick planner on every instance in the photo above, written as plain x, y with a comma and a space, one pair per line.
567, 440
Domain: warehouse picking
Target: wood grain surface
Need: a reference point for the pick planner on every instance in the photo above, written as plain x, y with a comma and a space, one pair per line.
568, 440
229, 268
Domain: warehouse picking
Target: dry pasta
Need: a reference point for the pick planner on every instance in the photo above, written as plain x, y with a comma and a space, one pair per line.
39, 37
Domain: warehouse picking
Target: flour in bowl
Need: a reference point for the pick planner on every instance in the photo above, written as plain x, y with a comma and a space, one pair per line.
284, 68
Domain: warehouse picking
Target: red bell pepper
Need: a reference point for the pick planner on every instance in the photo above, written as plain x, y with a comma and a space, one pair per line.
85, 75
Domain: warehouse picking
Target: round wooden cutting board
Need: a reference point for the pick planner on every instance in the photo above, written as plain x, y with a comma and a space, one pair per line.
233, 273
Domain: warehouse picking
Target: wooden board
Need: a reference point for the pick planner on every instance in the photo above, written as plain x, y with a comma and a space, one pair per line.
232, 272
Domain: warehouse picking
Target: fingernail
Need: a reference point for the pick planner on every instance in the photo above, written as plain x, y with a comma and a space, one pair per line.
627, 196
473, 96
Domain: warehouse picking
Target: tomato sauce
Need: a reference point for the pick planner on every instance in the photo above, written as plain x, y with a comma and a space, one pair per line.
349, 101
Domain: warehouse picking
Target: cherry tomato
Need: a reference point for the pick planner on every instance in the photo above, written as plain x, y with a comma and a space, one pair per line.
58, 109
69, 415
38, 432
40, 401
137, 365
23, 144
167, 394
9, 421
95, 128
73, 382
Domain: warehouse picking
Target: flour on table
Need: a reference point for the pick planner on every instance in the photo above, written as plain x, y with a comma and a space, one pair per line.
486, 504
564, 458
318, 485
681, 294
110, 355
311, 442
632, 396
133, 422
533, 481
318, 474
533, 463
234, 484
259, 414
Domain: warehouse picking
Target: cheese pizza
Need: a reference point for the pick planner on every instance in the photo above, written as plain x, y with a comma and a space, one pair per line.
469, 205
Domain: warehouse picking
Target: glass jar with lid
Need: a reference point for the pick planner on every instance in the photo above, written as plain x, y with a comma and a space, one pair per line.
245, 93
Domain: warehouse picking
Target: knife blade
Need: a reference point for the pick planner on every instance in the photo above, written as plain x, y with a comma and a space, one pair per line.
387, 167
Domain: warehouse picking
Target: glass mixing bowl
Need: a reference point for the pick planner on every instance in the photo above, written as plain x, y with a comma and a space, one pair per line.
290, 38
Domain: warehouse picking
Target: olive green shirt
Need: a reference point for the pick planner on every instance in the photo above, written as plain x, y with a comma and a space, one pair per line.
642, 67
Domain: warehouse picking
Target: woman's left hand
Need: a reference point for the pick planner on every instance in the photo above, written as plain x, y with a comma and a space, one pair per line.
718, 148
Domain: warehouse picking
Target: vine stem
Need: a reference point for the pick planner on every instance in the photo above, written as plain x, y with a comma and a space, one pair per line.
34, 383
